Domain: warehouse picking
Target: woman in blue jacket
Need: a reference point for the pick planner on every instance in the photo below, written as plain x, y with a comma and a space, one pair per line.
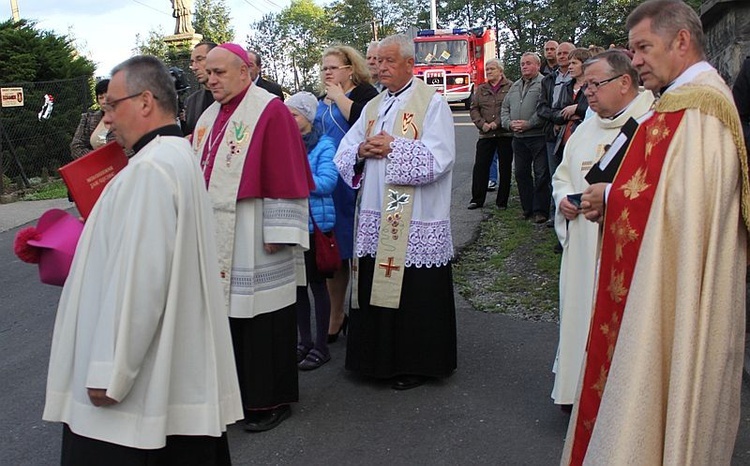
320, 150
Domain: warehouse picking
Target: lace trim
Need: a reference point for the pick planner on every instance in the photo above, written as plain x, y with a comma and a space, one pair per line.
430, 243
247, 281
284, 213
410, 163
345, 162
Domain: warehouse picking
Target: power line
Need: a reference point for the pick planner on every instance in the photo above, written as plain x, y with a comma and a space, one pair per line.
263, 12
149, 6
274, 4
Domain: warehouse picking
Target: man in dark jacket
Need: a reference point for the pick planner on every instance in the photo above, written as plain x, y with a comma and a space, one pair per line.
200, 100
552, 85
257, 78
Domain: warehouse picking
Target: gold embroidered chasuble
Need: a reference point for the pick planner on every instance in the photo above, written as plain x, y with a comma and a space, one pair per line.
662, 377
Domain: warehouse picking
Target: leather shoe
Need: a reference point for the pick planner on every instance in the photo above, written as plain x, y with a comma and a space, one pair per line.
473, 205
407, 382
261, 421
314, 360
539, 218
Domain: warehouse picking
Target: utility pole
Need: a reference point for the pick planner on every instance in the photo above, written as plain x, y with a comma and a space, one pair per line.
14, 11
433, 14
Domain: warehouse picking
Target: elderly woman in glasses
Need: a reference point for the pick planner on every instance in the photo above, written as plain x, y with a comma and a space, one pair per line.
346, 90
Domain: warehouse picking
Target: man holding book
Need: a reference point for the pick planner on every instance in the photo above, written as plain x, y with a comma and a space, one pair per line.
141, 368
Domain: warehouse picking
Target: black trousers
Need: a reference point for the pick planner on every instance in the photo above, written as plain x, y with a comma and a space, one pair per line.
486, 148
530, 156
187, 450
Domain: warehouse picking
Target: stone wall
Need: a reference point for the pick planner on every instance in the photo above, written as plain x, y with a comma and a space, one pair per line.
726, 24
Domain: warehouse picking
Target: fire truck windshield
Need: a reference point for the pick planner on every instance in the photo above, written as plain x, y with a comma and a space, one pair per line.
451, 52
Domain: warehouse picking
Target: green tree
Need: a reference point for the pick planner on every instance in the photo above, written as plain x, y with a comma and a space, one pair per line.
41, 63
351, 23
264, 40
152, 45
31, 54
211, 19
304, 32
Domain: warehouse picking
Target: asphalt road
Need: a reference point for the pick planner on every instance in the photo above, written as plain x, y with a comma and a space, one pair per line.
495, 409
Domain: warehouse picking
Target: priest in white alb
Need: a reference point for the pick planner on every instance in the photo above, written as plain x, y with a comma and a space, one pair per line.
612, 90
141, 369
400, 154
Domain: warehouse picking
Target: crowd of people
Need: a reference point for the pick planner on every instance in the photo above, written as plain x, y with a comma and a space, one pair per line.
636, 158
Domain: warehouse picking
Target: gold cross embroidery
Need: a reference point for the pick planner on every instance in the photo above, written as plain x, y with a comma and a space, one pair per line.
616, 287
624, 233
656, 133
636, 185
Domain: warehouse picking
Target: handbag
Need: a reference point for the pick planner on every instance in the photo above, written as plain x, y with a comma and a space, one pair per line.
327, 257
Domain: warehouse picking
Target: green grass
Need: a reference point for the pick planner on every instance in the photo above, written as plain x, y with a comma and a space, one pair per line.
55, 189
511, 268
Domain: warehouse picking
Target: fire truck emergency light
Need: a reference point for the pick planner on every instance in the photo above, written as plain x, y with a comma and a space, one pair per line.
434, 32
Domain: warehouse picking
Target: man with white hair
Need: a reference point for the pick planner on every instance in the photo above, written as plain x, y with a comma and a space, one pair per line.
612, 91
400, 154
519, 116
663, 371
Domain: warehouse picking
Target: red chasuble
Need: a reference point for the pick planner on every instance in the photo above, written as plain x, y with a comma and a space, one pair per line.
628, 207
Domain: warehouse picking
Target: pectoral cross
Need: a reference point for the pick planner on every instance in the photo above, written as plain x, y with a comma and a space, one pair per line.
389, 267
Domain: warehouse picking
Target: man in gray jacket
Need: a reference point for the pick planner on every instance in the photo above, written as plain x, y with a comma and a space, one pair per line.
529, 150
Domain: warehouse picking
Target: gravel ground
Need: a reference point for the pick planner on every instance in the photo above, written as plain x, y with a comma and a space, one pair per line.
511, 268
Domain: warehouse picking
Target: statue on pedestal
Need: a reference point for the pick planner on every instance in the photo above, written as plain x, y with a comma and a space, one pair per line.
182, 10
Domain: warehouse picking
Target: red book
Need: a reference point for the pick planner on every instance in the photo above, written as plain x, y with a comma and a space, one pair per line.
87, 176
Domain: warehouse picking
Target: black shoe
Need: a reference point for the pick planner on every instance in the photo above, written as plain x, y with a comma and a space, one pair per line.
558, 248
314, 360
332, 337
302, 351
567, 409
407, 382
261, 421
539, 219
473, 205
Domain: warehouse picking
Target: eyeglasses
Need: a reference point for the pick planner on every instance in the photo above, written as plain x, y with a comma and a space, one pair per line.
111, 105
334, 68
594, 86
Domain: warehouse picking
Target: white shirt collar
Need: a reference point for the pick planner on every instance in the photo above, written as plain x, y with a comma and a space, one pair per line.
689, 74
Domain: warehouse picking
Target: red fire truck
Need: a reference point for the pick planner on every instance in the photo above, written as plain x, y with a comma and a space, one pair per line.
452, 60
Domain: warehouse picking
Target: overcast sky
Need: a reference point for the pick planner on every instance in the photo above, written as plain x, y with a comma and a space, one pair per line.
104, 30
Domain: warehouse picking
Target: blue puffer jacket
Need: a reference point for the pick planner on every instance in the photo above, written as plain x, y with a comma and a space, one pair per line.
325, 175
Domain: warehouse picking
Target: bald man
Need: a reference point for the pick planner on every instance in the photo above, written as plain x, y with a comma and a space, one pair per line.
255, 167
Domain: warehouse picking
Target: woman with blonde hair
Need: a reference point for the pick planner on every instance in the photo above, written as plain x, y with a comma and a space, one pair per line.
346, 89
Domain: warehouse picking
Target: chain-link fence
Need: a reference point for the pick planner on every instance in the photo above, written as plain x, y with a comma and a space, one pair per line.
35, 138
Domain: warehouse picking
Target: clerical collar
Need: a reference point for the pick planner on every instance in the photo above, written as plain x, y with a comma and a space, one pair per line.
234, 102
169, 130
687, 76
402, 90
